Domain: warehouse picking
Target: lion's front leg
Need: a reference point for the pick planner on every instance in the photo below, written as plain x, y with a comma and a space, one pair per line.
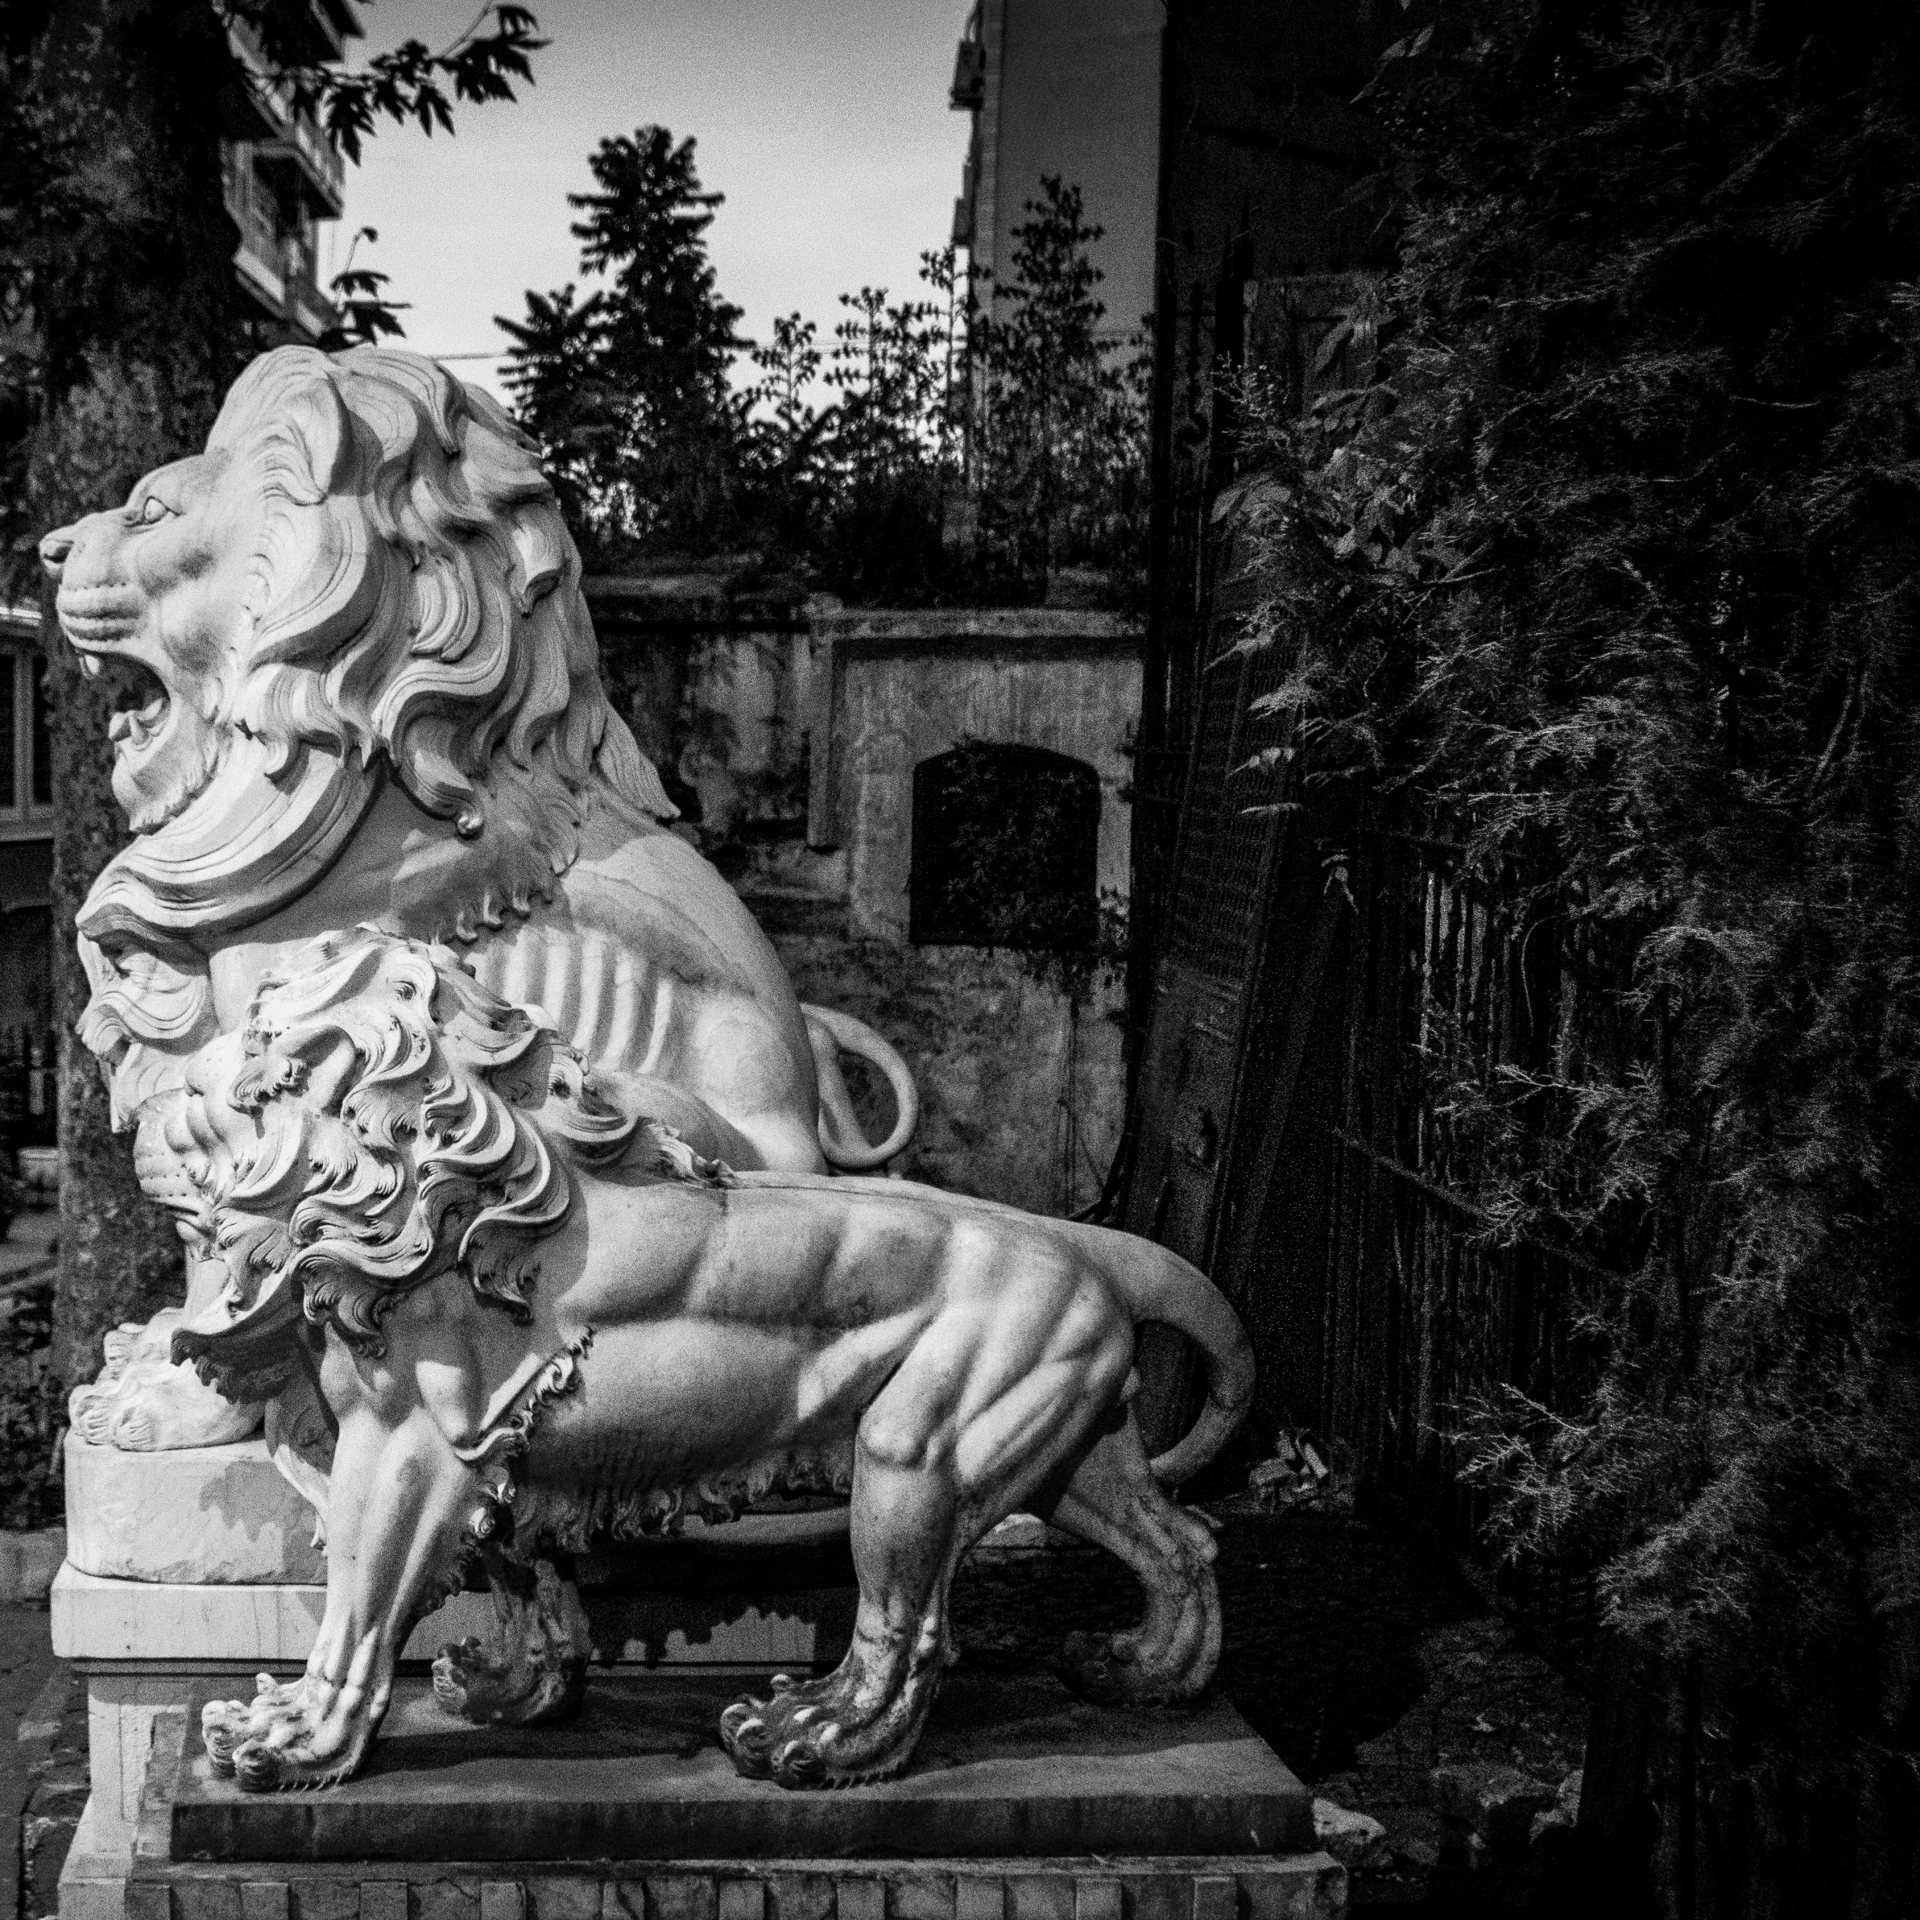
397, 1515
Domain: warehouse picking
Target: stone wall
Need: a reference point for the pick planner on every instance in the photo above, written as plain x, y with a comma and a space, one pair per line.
793, 729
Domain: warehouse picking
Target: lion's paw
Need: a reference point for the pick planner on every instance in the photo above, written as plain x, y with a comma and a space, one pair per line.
809, 1735
151, 1405
228, 1725
472, 1683
262, 1766
1107, 1669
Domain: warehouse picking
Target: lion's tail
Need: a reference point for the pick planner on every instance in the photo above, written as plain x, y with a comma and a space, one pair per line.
1160, 1286
845, 1147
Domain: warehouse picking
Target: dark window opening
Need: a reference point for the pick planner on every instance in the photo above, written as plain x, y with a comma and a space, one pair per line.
1005, 841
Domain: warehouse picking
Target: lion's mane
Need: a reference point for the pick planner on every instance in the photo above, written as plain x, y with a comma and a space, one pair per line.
454, 639
413, 610
395, 1103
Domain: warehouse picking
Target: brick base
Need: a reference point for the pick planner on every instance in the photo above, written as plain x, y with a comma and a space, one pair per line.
1292, 1887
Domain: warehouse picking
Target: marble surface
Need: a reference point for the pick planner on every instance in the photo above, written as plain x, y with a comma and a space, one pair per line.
1010, 1765
198, 1516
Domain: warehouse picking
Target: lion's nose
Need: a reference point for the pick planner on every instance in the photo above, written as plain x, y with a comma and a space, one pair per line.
55, 548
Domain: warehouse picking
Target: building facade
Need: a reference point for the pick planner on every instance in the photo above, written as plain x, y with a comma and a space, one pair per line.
283, 179
1068, 88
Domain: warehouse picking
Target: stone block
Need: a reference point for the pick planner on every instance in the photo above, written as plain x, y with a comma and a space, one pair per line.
802, 1896
383, 1900
264, 1900
681, 1896
1160, 1896
197, 1516
1040, 1896
99, 1618
917, 1895
503, 1900
146, 1901
446, 1899
564, 1897
979, 1897
206, 1900
740, 1900
1096, 1899
859, 1897
323, 1899
1216, 1896
1309, 1887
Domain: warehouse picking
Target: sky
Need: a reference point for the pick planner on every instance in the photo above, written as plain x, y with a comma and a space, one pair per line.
824, 122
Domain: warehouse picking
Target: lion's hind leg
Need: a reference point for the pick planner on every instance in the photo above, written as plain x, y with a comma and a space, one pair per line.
861, 1721
988, 1408
1114, 1501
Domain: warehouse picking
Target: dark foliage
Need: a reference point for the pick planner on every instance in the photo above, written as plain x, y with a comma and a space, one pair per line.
626, 390
1615, 570
409, 82
1056, 407
977, 441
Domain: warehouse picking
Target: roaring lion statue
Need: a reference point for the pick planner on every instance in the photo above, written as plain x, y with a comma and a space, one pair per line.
533, 1316
359, 684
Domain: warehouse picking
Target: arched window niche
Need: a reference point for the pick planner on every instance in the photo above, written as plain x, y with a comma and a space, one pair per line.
1005, 844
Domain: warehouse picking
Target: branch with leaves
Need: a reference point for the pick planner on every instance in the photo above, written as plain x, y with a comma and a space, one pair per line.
408, 83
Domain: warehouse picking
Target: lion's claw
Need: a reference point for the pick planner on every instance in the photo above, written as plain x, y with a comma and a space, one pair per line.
799, 1764
810, 1736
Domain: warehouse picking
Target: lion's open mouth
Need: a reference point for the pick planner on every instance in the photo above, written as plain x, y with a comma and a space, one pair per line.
140, 698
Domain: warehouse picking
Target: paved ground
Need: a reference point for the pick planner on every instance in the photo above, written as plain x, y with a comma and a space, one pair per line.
42, 1761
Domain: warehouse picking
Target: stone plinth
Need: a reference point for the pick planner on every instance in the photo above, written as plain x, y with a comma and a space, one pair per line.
1127, 1884
1299, 1886
199, 1516
1009, 1766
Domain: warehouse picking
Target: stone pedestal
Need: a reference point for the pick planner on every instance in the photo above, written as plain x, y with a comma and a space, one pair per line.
198, 1567
202, 1516
192, 1572
1022, 1805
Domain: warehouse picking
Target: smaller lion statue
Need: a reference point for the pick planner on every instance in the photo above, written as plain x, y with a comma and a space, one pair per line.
528, 1317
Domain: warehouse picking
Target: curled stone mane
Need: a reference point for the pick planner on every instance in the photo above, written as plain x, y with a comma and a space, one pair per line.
392, 1098
444, 627
412, 610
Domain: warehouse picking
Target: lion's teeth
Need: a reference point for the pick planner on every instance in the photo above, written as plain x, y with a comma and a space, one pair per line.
120, 726
90, 665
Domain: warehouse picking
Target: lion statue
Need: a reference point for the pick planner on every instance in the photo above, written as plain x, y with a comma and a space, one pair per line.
358, 682
534, 1316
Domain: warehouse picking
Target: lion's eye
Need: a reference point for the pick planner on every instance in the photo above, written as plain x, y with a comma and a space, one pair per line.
151, 511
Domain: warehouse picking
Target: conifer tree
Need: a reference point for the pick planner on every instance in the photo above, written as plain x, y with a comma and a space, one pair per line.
627, 390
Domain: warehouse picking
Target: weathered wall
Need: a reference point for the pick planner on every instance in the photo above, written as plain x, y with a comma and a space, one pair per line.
794, 733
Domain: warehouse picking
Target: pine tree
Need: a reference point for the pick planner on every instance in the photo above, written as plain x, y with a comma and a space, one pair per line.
627, 391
